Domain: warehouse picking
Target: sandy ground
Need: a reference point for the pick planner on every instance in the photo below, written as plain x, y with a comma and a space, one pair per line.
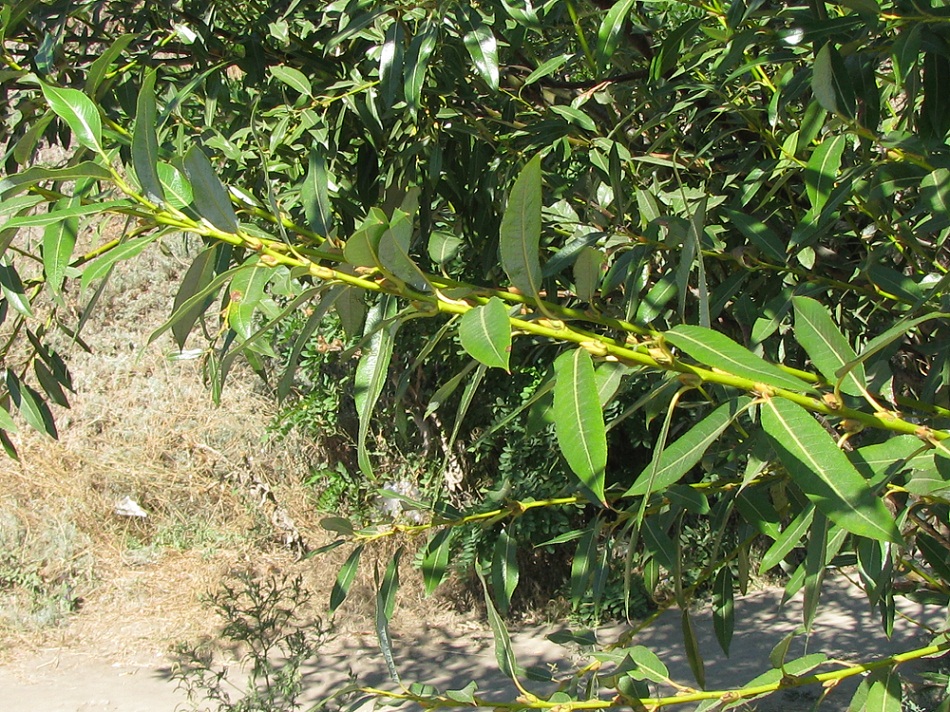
78, 678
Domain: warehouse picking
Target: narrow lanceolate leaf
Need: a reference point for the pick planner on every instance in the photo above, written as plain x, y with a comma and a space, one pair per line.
831, 83
588, 271
145, 142
824, 473
293, 78
390, 64
485, 333
210, 195
199, 275
371, 373
822, 170
504, 653
385, 604
724, 608
315, 194
79, 113
436, 559
520, 235
11, 286
483, 49
583, 563
177, 189
719, 351
681, 456
59, 239
609, 34
504, 571
344, 579
394, 251
825, 345
417, 63
579, 419
31, 406
10, 185
693, 654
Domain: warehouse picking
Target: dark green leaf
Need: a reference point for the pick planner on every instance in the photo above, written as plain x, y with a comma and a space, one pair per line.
371, 372
344, 579
759, 234
390, 64
59, 239
504, 653
145, 142
31, 406
693, 654
723, 607
482, 47
435, 559
385, 605
210, 195
825, 345
831, 83
504, 570
417, 63
196, 279
315, 194
821, 173
12, 288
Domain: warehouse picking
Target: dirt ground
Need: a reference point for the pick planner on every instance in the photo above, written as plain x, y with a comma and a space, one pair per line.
112, 663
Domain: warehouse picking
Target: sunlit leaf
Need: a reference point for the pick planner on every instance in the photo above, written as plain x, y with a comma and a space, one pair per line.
579, 419
292, 77
826, 345
608, 36
824, 473
79, 112
371, 372
821, 173
485, 333
719, 351
480, 42
435, 559
504, 570
521, 230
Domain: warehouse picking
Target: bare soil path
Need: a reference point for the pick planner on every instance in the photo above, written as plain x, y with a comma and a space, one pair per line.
98, 677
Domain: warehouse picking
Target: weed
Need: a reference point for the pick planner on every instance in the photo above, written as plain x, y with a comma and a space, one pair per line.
261, 621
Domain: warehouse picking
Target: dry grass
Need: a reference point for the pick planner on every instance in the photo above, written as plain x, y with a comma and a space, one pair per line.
143, 426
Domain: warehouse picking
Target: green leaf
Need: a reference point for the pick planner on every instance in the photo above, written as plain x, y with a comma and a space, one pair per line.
12, 288
608, 35
579, 419
79, 113
362, 248
51, 386
693, 654
315, 196
885, 692
485, 333
245, 294
504, 653
371, 372
74, 210
825, 345
385, 604
719, 351
547, 68
11, 185
417, 63
520, 233
435, 559
824, 473
681, 456
574, 116
790, 538
391, 63
482, 47
822, 170
341, 587
99, 68
588, 271
293, 78
443, 247
830, 82
145, 142
210, 195
759, 234
59, 240
504, 570
724, 607
394, 251
31, 406
199, 275
582, 565
175, 186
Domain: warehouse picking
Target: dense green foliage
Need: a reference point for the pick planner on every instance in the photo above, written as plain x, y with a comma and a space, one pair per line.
697, 247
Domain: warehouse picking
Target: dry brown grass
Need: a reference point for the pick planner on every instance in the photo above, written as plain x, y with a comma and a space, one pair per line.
144, 426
